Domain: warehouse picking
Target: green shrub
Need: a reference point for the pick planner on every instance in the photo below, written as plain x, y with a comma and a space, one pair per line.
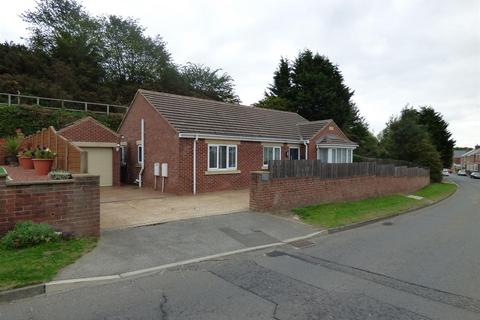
31, 119
27, 234
12, 145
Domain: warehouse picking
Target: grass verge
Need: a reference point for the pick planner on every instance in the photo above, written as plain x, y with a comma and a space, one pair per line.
39, 263
331, 215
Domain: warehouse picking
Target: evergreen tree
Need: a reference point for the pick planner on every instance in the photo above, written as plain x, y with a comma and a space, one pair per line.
440, 136
405, 138
314, 87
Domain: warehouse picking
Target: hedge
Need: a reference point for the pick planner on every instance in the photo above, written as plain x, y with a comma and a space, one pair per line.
31, 119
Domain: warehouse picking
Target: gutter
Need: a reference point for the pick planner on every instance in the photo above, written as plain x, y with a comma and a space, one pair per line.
195, 165
242, 138
142, 138
305, 143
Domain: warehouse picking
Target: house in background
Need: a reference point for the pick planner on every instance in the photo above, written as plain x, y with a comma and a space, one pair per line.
471, 159
189, 145
457, 158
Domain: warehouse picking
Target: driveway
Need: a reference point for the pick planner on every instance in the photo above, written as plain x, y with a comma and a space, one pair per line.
129, 206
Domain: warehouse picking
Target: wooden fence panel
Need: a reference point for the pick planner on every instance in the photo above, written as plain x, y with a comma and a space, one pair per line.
315, 168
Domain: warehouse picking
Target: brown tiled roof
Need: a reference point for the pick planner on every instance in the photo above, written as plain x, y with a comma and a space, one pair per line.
334, 139
194, 115
309, 129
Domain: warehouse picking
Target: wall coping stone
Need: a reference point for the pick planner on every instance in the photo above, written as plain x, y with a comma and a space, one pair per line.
37, 182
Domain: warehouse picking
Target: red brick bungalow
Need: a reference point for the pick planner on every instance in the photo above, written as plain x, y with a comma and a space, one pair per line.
212, 146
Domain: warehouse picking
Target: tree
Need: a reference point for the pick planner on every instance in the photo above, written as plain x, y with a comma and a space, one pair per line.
99, 58
132, 60
209, 83
314, 87
405, 138
440, 136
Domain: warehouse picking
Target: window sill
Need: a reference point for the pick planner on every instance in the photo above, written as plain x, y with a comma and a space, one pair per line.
214, 172
265, 166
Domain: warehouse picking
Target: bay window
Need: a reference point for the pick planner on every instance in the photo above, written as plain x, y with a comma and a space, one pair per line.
222, 157
335, 155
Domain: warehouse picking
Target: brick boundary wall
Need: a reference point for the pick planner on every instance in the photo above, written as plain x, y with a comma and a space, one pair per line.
68, 205
268, 194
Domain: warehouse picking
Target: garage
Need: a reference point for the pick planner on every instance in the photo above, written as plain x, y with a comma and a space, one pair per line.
99, 162
100, 149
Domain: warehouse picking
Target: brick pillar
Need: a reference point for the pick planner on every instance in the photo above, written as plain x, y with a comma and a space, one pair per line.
260, 199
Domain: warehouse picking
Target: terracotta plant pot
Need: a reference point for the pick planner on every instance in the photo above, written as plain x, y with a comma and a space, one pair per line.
26, 162
42, 166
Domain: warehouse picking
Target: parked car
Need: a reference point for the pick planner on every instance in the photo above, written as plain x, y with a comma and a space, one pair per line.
475, 175
462, 172
445, 172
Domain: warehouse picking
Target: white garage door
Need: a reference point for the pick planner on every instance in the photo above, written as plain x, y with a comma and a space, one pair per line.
100, 162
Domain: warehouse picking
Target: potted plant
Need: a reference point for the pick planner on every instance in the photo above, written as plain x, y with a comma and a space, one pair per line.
12, 146
42, 161
25, 159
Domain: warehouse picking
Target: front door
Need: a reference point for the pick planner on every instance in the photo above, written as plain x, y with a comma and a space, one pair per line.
294, 153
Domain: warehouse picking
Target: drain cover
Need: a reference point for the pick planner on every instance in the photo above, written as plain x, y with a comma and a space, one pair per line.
301, 244
275, 253
387, 223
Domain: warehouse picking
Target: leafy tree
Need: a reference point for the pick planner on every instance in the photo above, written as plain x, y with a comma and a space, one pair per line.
74, 55
440, 136
204, 82
405, 138
314, 87
132, 60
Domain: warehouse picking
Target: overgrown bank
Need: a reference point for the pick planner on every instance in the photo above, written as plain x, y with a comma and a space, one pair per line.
31, 119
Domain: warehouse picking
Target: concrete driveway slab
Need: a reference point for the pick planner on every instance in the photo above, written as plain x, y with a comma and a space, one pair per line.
124, 207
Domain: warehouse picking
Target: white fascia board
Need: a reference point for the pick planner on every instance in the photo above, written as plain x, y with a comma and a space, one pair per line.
95, 144
237, 138
346, 146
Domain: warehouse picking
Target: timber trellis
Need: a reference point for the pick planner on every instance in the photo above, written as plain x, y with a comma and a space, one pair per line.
315, 168
71, 105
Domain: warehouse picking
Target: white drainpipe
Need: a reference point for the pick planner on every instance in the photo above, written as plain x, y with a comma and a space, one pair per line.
306, 149
195, 164
142, 141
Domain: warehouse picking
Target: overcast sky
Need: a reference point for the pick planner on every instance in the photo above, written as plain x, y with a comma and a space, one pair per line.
392, 53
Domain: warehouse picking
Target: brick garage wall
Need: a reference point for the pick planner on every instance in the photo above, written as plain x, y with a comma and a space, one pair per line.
89, 130
69, 206
286, 193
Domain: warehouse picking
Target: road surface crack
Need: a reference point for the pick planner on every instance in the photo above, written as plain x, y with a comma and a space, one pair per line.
163, 312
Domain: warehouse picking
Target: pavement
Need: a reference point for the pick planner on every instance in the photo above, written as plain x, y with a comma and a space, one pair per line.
120, 251
128, 206
421, 265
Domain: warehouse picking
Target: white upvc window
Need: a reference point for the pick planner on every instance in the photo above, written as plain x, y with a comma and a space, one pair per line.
140, 154
335, 155
222, 157
271, 153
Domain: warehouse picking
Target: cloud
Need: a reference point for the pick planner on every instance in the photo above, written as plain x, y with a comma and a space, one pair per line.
391, 52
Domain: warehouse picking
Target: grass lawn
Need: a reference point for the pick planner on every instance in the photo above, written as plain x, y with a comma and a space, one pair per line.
337, 214
41, 262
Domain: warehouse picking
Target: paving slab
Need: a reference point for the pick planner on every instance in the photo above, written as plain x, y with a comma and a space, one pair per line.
129, 206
